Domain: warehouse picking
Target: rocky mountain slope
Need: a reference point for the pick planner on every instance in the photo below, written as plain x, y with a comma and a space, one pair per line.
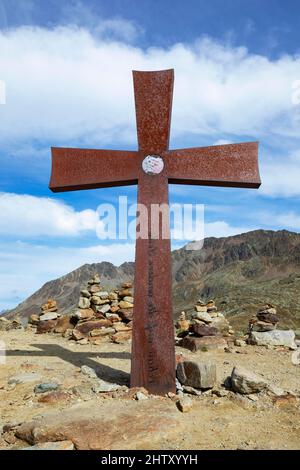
240, 272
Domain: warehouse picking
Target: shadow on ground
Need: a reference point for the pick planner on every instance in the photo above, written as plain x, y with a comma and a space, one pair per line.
79, 359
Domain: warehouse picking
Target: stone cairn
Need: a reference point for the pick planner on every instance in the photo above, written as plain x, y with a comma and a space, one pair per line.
263, 330
266, 319
101, 315
206, 329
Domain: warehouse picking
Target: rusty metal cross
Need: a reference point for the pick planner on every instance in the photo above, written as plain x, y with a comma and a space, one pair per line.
153, 166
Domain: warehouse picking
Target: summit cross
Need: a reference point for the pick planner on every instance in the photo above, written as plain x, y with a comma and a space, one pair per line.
152, 167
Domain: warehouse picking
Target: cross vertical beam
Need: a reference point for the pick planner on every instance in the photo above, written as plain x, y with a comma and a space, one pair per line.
153, 350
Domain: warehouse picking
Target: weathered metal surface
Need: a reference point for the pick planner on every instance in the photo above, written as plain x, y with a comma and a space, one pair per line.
219, 165
153, 358
153, 351
74, 169
153, 93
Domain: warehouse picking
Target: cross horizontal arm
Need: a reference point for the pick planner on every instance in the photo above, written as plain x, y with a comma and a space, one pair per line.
74, 169
233, 165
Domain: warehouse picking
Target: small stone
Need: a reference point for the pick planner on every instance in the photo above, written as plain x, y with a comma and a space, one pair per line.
240, 343
46, 387
103, 332
191, 390
84, 302
86, 370
126, 314
34, 319
197, 374
68, 333
104, 309
127, 285
83, 341
128, 298
124, 304
141, 396
125, 293
268, 317
113, 317
102, 386
84, 314
95, 280
246, 382
85, 293
114, 308
201, 308
113, 296
121, 337
185, 404
54, 397
93, 289
49, 306
204, 316
263, 326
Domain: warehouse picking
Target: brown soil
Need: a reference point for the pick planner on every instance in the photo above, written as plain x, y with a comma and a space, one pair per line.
230, 422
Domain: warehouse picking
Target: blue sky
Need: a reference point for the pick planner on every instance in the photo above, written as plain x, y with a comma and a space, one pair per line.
67, 70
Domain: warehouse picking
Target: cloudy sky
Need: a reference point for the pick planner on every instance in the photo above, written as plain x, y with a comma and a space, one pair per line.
67, 68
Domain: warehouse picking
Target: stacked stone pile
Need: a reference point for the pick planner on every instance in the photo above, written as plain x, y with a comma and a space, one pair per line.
6, 325
100, 315
266, 319
263, 329
206, 329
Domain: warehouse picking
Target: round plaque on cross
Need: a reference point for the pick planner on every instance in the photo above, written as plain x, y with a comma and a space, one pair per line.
153, 165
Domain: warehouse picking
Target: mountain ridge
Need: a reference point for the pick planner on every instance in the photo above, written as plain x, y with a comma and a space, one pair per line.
240, 272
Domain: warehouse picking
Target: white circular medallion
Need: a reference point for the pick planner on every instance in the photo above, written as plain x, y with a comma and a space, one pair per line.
153, 165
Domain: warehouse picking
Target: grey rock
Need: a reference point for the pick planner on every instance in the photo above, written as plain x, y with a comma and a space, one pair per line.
128, 299
86, 370
246, 382
197, 374
104, 309
203, 316
262, 326
46, 387
178, 385
141, 396
48, 316
102, 386
274, 338
191, 390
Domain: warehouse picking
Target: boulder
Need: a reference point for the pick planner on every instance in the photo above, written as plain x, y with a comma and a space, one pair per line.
85, 293
46, 326
205, 343
94, 289
273, 338
197, 374
113, 427
246, 382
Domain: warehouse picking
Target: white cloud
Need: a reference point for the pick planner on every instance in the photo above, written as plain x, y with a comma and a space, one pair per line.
24, 216
65, 84
281, 176
25, 267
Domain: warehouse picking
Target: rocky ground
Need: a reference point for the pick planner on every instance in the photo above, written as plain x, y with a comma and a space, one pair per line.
77, 415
